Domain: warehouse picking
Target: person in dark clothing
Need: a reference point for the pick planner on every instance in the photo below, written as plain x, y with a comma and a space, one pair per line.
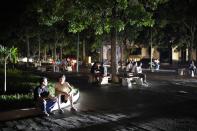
102, 72
95, 71
43, 98
102, 69
94, 68
192, 68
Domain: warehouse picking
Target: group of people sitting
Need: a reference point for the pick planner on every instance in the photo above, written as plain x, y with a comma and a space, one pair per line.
98, 71
133, 68
63, 92
68, 64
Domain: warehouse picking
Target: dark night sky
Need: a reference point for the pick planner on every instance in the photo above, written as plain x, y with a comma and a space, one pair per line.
10, 11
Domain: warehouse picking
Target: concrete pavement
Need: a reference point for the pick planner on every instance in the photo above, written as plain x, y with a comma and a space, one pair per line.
168, 105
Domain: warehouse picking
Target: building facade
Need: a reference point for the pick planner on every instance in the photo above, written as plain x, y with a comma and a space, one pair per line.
166, 56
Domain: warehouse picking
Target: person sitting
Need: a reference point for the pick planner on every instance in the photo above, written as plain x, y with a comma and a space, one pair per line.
95, 71
156, 64
102, 71
138, 72
64, 64
129, 67
43, 98
64, 91
133, 70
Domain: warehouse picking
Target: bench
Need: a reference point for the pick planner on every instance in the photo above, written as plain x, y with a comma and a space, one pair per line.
182, 72
185, 72
69, 68
34, 111
41, 68
56, 68
128, 81
48, 68
67, 103
104, 80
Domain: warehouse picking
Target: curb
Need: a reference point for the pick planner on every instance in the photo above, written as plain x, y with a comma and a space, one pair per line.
18, 114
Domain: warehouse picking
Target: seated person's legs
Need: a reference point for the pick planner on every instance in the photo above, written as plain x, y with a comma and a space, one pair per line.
42, 104
143, 76
63, 99
101, 77
192, 71
50, 104
46, 106
97, 77
157, 67
66, 97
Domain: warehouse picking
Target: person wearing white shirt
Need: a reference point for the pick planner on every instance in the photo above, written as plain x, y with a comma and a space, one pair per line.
133, 70
138, 72
129, 66
64, 91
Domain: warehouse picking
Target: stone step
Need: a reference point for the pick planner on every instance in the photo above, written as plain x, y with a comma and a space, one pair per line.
20, 113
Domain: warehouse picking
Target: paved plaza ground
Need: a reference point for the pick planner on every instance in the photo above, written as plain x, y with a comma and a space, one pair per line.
168, 104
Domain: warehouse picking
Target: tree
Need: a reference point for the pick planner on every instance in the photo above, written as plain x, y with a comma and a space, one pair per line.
7, 53
86, 14
117, 13
183, 23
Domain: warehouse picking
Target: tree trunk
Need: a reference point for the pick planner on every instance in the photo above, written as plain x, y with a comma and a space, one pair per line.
39, 48
77, 53
113, 54
5, 81
45, 54
84, 51
192, 28
113, 48
61, 51
151, 49
28, 52
190, 52
122, 52
101, 52
55, 53
191, 46
121, 59
52, 53
56, 41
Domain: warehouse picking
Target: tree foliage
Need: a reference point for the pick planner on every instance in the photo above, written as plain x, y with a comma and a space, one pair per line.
8, 53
